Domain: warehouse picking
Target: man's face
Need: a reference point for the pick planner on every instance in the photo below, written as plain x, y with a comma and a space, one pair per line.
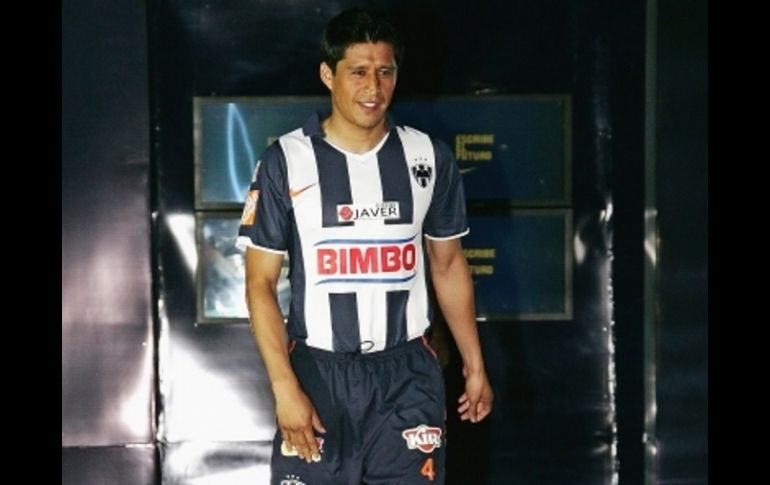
362, 85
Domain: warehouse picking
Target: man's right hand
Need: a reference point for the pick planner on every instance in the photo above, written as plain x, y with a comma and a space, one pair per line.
297, 418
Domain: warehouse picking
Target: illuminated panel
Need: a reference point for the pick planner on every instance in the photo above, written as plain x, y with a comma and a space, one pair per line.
230, 133
509, 148
513, 151
521, 264
221, 269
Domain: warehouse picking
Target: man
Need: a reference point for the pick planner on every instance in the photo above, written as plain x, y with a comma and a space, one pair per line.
359, 395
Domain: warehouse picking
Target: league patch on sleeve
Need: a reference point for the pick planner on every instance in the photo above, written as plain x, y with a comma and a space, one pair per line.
250, 208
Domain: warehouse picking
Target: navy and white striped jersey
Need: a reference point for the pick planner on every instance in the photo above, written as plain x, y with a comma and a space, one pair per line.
353, 225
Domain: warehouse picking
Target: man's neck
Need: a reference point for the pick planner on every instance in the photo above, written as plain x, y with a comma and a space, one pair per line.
352, 138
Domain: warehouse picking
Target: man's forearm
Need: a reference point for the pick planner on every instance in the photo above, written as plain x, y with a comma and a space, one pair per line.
265, 316
454, 290
294, 412
268, 329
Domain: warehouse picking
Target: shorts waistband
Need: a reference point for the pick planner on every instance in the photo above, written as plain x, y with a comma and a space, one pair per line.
396, 350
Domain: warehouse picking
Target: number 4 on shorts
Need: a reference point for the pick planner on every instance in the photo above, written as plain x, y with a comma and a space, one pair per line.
427, 469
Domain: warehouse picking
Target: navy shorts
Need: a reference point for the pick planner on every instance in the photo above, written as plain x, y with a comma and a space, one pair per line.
384, 414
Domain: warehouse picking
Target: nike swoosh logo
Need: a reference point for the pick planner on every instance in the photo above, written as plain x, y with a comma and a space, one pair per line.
463, 171
295, 192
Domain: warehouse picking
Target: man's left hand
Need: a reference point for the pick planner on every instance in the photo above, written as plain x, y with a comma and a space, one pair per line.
476, 401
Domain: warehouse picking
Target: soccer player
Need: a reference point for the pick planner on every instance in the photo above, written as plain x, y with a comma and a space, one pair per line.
358, 202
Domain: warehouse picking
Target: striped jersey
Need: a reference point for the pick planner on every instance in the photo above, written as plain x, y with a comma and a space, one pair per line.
353, 226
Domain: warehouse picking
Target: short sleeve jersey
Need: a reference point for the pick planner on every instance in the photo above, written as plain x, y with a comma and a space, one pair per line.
353, 227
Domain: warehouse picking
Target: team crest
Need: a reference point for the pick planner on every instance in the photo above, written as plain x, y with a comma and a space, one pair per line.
422, 174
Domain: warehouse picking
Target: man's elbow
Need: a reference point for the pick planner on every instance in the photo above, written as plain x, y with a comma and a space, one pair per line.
258, 286
445, 267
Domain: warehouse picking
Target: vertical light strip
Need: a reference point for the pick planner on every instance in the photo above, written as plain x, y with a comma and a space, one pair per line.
651, 249
235, 122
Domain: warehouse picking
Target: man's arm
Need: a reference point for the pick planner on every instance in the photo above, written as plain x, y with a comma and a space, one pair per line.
454, 290
296, 415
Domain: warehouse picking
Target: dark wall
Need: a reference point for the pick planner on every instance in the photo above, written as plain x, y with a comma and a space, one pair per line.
682, 204
107, 341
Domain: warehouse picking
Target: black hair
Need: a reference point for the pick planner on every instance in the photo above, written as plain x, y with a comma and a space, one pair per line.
358, 26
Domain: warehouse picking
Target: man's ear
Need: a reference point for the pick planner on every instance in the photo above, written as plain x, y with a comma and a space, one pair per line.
326, 75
